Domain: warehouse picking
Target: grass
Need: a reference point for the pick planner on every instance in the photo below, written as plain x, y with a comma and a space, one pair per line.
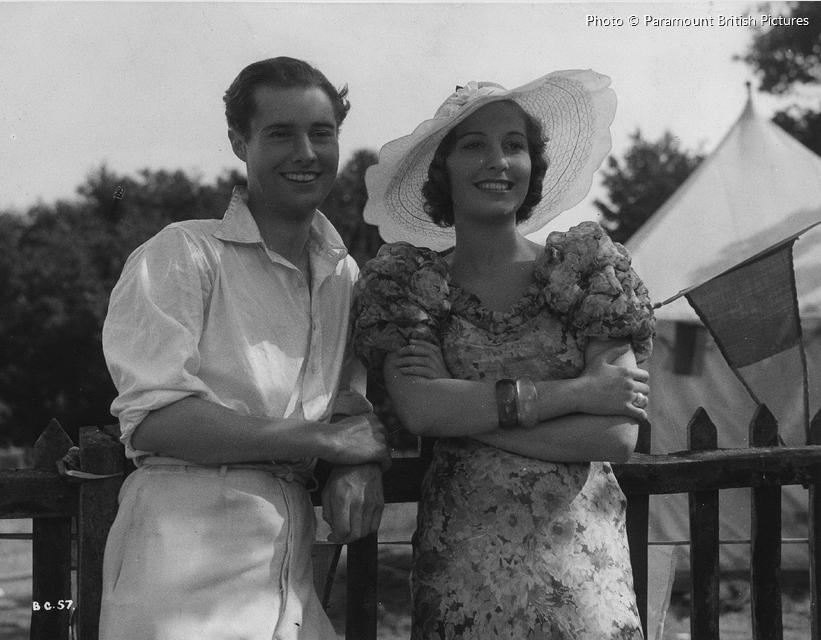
394, 593
15, 582
735, 622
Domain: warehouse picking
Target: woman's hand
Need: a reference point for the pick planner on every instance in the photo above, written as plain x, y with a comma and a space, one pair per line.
614, 384
423, 359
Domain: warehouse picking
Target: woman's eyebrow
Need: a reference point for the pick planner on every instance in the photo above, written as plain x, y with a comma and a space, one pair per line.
516, 132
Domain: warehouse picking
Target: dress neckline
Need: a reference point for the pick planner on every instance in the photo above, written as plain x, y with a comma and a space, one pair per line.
469, 304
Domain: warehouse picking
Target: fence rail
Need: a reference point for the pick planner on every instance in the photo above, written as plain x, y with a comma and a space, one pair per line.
57, 504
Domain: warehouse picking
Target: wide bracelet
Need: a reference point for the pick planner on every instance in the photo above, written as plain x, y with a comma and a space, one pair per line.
506, 403
527, 403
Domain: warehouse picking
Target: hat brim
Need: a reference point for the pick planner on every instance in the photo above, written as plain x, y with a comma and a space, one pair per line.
575, 108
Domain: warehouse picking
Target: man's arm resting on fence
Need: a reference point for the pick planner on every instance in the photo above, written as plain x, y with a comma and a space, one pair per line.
203, 432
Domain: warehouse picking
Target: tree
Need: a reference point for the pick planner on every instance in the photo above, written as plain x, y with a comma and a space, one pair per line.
638, 185
787, 57
58, 264
345, 204
803, 124
789, 53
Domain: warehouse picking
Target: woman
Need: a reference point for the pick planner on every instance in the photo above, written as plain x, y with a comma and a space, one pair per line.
519, 358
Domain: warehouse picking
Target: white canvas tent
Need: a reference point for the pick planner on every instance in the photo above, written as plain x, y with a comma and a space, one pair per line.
758, 183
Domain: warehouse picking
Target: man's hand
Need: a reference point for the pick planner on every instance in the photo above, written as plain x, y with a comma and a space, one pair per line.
352, 501
357, 440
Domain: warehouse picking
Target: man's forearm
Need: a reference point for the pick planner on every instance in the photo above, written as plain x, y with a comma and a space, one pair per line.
203, 432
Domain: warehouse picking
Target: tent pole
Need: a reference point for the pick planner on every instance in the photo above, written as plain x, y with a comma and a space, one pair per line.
806, 391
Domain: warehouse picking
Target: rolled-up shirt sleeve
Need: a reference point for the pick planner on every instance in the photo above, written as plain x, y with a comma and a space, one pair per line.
153, 327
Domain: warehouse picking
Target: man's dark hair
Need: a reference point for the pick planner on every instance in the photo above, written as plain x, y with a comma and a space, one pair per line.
281, 73
436, 189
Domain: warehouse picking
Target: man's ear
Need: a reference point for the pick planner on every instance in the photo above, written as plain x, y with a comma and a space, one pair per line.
237, 144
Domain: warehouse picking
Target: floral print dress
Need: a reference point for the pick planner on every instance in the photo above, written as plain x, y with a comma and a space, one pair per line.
509, 546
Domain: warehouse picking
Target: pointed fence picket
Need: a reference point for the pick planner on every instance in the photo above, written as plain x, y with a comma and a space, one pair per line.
704, 522
60, 505
765, 540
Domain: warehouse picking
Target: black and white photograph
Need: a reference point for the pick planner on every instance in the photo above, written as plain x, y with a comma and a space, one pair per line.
410, 321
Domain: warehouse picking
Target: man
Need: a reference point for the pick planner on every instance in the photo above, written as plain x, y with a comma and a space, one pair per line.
227, 342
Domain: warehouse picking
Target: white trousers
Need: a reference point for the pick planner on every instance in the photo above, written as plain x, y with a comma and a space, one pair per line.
201, 553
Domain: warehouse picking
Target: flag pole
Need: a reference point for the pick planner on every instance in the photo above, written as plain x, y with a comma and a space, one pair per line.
802, 353
806, 390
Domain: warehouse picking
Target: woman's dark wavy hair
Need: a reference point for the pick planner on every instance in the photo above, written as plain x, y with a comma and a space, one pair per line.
436, 189
281, 73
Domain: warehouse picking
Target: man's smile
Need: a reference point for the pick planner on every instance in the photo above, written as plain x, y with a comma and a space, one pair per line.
302, 176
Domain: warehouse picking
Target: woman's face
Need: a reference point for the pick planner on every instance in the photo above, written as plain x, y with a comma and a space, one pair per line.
489, 165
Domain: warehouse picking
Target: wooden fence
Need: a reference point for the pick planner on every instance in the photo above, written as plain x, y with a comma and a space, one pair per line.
64, 510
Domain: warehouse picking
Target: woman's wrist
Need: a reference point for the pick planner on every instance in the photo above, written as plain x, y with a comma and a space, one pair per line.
560, 397
517, 403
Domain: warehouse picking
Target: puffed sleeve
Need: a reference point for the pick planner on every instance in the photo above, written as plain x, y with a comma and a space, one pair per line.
590, 283
401, 293
152, 330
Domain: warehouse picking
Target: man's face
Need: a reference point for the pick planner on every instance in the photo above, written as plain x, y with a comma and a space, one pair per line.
291, 151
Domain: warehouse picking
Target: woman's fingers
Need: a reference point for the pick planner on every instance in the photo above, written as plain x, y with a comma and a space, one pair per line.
632, 411
640, 375
419, 348
421, 358
419, 372
412, 361
641, 387
416, 366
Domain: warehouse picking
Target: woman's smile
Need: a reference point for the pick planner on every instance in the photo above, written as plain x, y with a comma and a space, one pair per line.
489, 165
494, 185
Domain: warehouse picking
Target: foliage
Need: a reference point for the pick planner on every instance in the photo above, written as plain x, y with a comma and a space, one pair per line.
803, 124
59, 262
788, 57
345, 203
786, 54
637, 186
344, 206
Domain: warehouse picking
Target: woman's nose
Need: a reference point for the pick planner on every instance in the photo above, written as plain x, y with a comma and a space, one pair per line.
496, 160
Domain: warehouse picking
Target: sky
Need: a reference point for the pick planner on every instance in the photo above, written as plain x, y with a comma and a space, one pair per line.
136, 85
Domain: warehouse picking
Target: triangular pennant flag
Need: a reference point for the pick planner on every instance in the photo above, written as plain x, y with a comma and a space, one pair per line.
752, 310
752, 313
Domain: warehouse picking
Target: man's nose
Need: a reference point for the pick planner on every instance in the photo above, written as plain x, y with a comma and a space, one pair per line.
304, 149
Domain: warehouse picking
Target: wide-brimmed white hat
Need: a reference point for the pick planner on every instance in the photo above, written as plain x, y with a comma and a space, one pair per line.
575, 109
